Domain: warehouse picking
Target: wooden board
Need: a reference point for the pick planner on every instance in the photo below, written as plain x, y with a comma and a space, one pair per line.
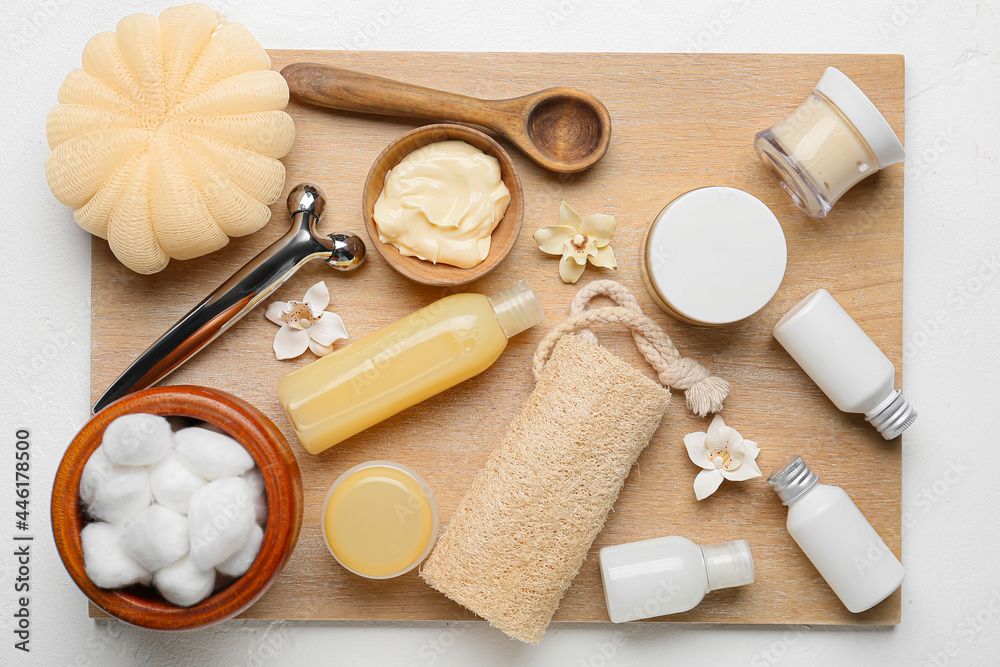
680, 122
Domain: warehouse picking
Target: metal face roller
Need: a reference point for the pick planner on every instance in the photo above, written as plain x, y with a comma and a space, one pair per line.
242, 292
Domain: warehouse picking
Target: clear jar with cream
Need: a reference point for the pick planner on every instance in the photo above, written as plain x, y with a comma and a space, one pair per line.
833, 140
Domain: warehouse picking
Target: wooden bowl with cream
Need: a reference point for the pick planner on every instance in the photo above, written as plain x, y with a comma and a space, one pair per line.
504, 234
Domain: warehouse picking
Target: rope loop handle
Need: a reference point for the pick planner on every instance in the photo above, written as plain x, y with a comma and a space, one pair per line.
704, 393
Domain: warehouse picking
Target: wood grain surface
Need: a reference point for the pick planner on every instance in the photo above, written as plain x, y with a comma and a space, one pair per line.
679, 122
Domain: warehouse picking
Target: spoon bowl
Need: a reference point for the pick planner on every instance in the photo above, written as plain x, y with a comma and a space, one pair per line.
568, 128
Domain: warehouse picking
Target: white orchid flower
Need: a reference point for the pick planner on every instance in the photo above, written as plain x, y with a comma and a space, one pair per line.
578, 240
305, 324
722, 453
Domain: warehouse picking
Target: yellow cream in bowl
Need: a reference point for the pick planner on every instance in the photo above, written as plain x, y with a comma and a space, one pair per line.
441, 203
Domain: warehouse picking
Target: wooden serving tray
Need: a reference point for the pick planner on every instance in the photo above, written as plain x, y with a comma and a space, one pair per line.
679, 122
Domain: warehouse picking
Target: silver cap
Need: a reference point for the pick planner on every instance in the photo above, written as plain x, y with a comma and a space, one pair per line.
792, 480
894, 418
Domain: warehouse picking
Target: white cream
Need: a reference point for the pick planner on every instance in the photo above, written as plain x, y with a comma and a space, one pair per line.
441, 203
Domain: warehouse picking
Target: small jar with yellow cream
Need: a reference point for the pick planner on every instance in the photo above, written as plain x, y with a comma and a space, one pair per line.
833, 140
380, 519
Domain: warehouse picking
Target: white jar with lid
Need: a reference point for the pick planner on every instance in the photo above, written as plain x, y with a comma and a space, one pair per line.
834, 139
714, 256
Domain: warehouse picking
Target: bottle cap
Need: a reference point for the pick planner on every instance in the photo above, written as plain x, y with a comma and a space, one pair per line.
729, 564
869, 121
792, 480
714, 256
517, 308
893, 417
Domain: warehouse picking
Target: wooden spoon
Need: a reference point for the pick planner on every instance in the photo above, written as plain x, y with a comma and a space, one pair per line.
562, 129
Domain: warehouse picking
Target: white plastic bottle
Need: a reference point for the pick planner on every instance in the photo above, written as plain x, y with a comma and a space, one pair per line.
837, 538
844, 362
668, 575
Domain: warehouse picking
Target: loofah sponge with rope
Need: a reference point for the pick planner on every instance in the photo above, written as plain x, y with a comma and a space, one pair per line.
523, 529
167, 142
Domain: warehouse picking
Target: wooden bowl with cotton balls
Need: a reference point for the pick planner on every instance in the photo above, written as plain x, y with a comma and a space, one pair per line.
504, 235
142, 605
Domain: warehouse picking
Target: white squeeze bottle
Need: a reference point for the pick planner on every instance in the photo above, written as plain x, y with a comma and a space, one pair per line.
844, 362
668, 575
837, 538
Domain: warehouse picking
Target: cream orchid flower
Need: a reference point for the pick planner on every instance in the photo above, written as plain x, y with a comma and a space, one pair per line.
305, 324
578, 240
723, 454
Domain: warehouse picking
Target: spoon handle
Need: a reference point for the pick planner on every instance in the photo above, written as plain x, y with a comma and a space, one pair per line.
345, 89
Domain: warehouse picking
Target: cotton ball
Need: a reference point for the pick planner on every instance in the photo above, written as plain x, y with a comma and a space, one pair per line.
255, 481
173, 483
220, 516
113, 493
157, 537
210, 454
137, 440
97, 468
106, 563
184, 583
241, 561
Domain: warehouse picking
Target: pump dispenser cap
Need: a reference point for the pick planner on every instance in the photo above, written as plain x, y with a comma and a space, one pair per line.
517, 308
729, 564
792, 480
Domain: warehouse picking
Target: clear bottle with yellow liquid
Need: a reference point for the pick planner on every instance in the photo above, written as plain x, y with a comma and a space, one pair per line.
407, 362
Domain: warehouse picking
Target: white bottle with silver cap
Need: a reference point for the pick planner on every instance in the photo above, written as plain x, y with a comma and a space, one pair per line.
668, 575
844, 362
837, 538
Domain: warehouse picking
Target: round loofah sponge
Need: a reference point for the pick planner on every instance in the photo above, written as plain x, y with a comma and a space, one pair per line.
167, 142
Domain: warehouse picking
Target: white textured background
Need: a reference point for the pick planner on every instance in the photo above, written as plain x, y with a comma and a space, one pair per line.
951, 596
